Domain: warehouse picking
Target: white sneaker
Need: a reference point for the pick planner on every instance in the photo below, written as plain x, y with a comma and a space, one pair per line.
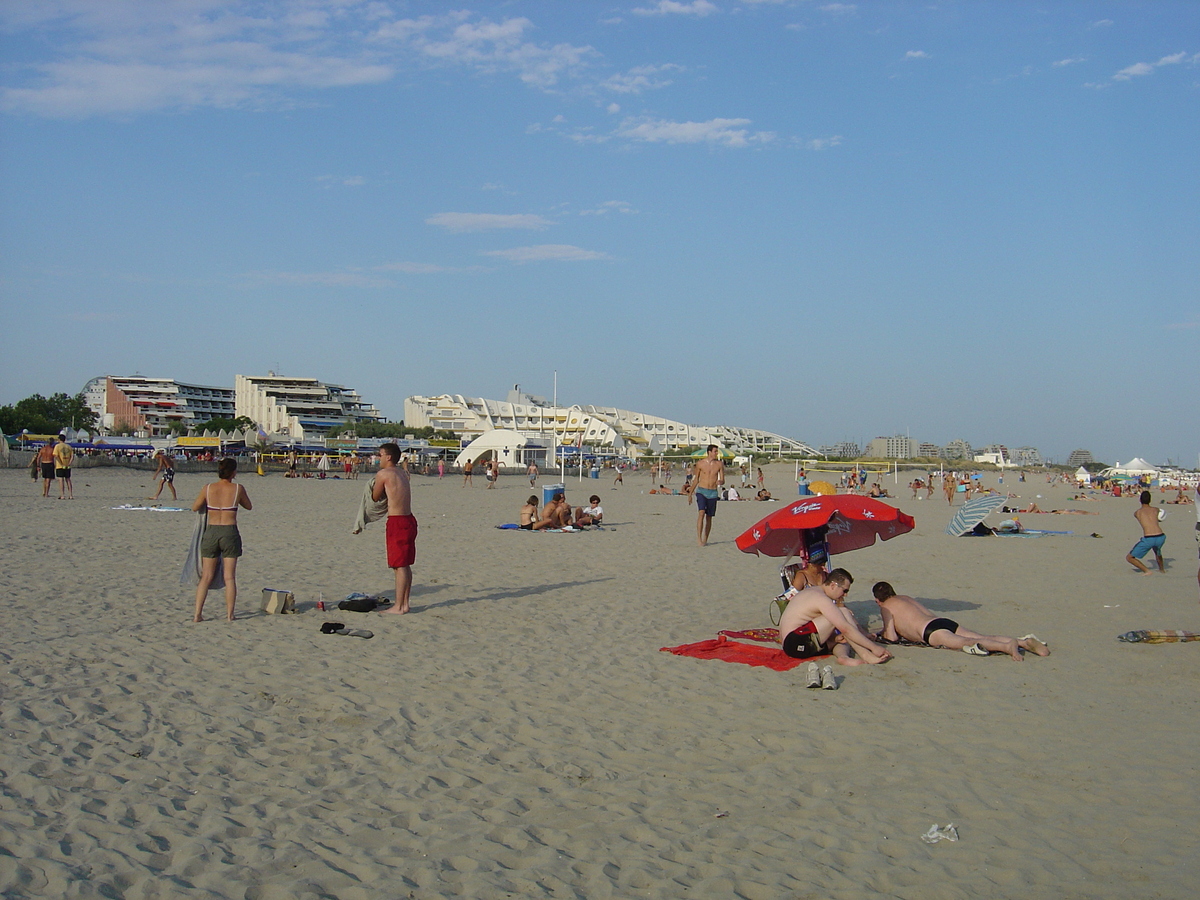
813, 677
828, 681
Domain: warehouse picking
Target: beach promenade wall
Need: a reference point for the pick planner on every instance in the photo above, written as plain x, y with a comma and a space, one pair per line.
21, 459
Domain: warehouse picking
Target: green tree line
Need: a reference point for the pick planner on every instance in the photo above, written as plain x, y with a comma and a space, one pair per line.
46, 415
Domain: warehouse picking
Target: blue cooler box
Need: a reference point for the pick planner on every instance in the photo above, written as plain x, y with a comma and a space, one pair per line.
549, 490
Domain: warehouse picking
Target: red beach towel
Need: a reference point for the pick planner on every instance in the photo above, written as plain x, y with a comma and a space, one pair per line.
731, 651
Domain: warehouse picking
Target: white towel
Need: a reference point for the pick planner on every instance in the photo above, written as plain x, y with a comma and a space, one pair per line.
190, 576
369, 510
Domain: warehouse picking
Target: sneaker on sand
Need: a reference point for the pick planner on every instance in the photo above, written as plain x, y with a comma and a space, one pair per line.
813, 676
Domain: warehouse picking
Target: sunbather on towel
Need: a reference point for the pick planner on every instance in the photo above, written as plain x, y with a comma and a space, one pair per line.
807, 625
904, 617
529, 512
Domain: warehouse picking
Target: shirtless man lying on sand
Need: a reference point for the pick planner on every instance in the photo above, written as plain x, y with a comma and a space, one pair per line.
807, 626
904, 617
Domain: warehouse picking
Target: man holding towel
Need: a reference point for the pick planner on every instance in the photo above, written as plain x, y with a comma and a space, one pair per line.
392, 482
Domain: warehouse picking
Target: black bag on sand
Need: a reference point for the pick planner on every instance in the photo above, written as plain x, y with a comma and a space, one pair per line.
359, 604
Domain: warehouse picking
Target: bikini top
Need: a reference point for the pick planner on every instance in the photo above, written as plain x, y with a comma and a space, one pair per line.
212, 508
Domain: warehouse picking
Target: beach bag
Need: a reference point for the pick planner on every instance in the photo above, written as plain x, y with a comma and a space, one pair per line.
34, 468
279, 603
360, 603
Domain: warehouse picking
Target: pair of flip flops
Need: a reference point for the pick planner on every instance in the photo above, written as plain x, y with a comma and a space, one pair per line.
339, 628
816, 677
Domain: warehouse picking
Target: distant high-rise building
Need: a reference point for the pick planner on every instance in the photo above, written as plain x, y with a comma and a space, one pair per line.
1080, 458
153, 405
294, 406
897, 446
841, 450
928, 450
957, 449
1027, 456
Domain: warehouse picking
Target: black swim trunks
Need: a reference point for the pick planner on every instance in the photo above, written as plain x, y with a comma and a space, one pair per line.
937, 625
803, 643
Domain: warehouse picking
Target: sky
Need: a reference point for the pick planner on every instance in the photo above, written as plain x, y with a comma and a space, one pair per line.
833, 221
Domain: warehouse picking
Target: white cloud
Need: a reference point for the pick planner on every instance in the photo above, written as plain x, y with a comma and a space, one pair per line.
495, 47
1102, 23
121, 57
613, 108
823, 143
461, 222
724, 132
1134, 71
329, 181
130, 56
640, 78
1138, 70
323, 279
412, 268
546, 252
672, 7
610, 206
916, 54
839, 9
1075, 60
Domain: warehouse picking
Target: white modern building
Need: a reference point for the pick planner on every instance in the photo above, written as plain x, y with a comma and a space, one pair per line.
296, 406
957, 449
1080, 457
898, 446
150, 406
631, 432
996, 454
1027, 456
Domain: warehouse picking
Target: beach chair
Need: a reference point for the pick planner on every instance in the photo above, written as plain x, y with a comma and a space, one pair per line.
779, 604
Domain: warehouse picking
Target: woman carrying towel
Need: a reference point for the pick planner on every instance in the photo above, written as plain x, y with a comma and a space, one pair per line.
221, 542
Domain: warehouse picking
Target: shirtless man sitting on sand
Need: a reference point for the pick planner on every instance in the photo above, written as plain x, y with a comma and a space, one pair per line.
555, 514
807, 626
904, 617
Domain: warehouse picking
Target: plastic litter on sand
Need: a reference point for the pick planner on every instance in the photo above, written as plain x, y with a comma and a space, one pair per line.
936, 833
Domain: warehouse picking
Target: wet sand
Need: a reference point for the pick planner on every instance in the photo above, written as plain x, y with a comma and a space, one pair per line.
519, 734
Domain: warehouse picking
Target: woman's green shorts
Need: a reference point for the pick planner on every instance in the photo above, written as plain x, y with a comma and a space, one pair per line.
221, 542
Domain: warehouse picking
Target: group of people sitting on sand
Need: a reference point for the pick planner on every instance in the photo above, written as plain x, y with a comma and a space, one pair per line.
816, 622
558, 515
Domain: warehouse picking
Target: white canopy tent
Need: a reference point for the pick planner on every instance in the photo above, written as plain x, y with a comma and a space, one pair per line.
1136, 466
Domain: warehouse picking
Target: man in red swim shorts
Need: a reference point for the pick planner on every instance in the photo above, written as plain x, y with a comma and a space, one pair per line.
392, 482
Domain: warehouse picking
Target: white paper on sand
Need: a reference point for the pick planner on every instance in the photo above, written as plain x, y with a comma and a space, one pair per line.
935, 833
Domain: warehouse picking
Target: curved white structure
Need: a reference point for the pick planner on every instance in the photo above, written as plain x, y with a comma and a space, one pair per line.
593, 426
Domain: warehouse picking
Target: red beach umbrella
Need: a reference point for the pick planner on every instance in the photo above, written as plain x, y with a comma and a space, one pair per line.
851, 521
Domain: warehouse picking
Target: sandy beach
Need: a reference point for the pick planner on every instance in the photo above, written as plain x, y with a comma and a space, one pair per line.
520, 734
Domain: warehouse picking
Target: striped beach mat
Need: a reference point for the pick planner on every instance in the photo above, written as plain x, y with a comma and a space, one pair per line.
1158, 637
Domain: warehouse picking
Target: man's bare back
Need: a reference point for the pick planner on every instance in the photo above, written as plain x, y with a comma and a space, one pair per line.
907, 618
1147, 517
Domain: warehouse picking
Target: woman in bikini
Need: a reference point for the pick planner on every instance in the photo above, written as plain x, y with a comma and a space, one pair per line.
529, 512
221, 541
